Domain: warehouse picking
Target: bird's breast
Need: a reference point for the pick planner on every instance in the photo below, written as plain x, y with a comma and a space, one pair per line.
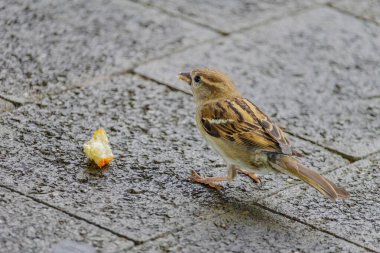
233, 153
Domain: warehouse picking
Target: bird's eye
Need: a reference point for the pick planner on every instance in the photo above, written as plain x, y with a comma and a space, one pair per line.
197, 79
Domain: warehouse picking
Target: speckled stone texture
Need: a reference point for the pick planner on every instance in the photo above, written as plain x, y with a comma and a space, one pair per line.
28, 226
304, 71
47, 46
228, 16
356, 219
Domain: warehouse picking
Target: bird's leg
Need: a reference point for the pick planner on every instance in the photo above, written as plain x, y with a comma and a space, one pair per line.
297, 152
252, 175
210, 181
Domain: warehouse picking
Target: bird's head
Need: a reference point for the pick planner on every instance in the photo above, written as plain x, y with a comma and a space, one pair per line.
209, 84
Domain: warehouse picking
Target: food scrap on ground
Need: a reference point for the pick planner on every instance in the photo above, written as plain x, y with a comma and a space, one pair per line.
98, 149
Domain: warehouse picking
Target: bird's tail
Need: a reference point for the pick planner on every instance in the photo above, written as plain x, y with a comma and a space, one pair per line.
290, 165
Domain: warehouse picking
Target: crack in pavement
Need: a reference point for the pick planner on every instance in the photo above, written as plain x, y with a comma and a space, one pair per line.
348, 13
37, 98
313, 227
135, 242
16, 104
350, 158
175, 15
240, 30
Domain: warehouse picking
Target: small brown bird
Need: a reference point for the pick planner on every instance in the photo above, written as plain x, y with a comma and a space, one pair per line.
244, 136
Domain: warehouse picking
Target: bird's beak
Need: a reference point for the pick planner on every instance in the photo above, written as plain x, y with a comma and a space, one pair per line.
185, 77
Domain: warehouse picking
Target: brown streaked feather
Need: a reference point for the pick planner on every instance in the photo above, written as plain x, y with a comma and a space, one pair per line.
270, 128
234, 120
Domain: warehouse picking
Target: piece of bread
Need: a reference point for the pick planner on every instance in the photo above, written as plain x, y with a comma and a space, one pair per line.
98, 148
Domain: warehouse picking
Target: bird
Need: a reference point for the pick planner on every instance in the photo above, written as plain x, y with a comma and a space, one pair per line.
246, 138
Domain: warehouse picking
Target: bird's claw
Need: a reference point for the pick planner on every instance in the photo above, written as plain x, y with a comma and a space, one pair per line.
253, 176
209, 181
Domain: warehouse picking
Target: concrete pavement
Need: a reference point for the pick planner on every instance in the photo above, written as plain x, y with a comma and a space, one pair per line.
70, 67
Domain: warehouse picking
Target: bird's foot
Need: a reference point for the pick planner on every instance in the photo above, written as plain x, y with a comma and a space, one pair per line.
209, 181
252, 175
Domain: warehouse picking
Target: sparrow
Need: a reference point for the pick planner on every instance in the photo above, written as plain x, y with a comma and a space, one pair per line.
244, 135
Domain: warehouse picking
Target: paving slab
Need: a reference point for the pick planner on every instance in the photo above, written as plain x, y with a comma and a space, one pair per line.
146, 191
248, 229
228, 16
47, 46
356, 219
29, 226
305, 72
367, 9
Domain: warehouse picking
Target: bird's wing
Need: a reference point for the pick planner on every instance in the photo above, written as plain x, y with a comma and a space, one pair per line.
240, 121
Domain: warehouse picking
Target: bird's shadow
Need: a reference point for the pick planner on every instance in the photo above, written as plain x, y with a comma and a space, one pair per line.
252, 213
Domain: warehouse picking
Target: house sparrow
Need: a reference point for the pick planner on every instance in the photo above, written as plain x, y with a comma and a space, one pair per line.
244, 136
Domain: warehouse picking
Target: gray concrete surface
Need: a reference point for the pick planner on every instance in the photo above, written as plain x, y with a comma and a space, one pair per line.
30, 226
48, 45
367, 9
226, 16
248, 229
70, 67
